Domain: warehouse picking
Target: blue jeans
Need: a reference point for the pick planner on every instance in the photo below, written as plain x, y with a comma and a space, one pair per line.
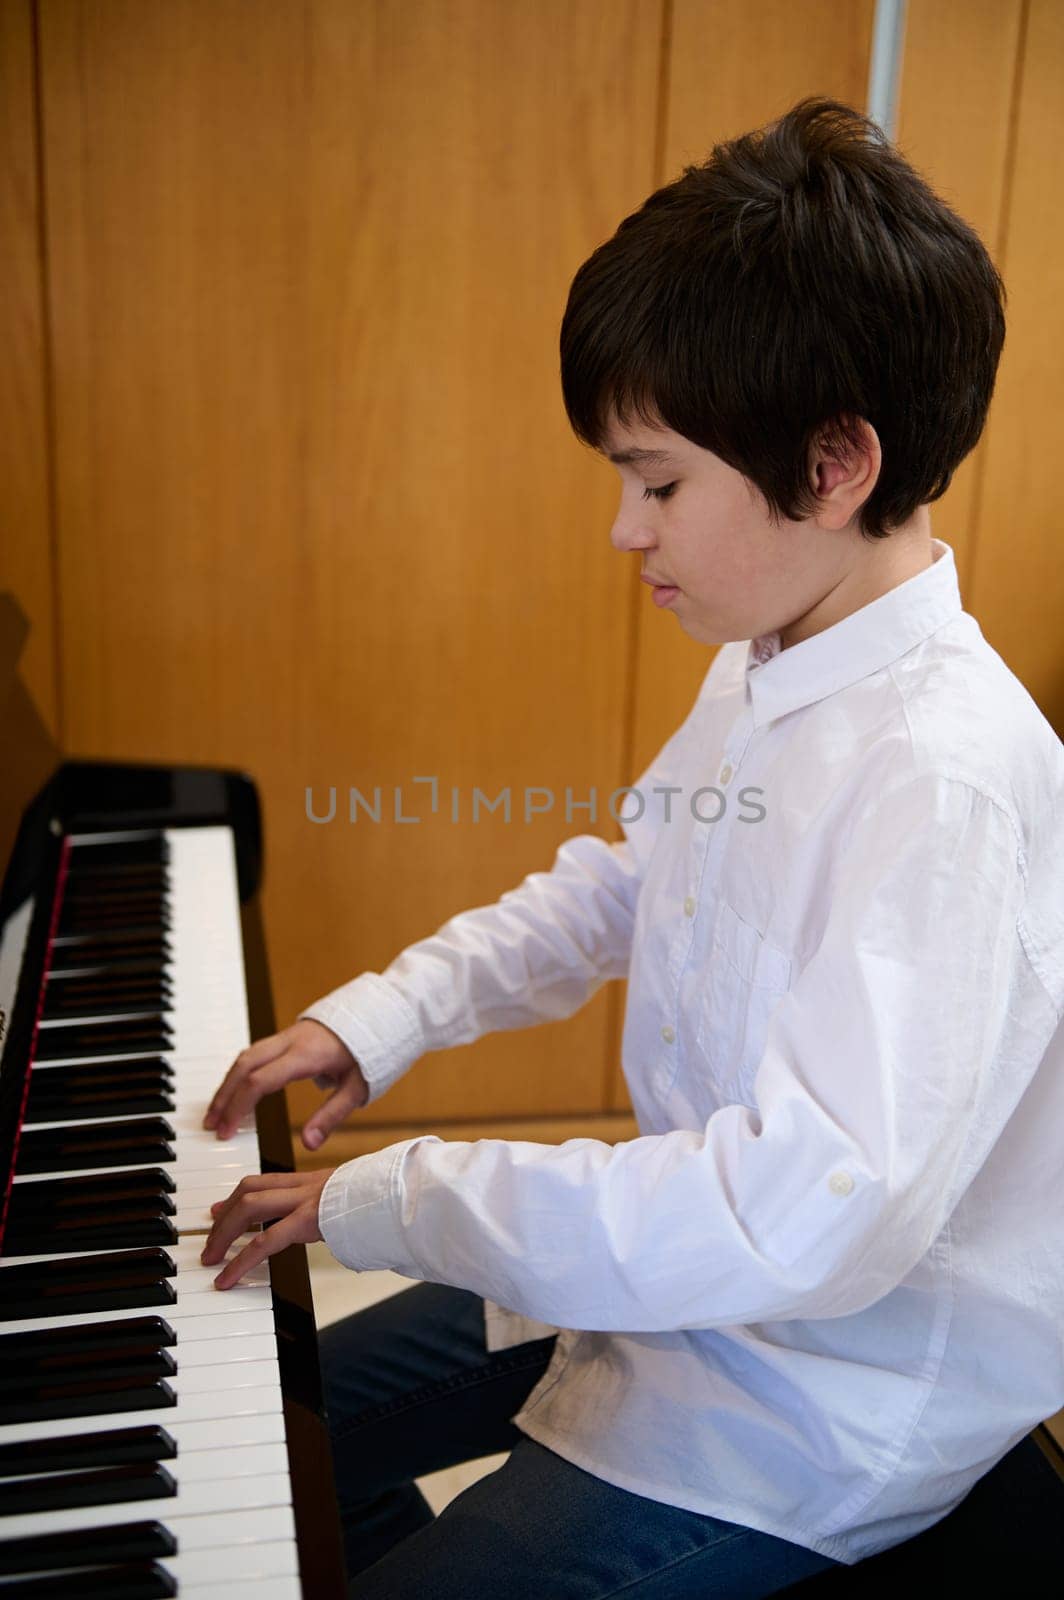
410, 1389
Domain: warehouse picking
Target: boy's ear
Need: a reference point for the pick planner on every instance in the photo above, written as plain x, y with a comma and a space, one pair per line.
843, 469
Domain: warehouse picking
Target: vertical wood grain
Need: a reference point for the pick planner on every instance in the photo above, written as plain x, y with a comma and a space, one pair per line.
955, 120
320, 512
1017, 578
26, 565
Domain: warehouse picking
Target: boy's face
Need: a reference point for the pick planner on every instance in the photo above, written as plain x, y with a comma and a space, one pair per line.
736, 576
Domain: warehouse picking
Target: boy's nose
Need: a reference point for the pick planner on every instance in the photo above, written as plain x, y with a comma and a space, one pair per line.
629, 531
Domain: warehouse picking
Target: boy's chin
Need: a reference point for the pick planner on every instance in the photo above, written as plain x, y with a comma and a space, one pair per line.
703, 630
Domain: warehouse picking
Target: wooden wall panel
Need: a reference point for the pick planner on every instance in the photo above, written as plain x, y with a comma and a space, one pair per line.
320, 513
955, 122
1017, 580
26, 568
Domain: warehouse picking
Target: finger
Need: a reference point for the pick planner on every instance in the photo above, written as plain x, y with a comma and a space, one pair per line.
260, 1081
328, 1116
258, 1183
252, 1056
260, 1180
243, 1214
288, 1231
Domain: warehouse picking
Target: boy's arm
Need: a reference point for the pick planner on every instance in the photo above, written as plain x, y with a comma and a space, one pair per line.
536, 955
876, 1104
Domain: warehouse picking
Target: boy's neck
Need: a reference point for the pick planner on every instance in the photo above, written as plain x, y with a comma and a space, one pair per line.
893, 560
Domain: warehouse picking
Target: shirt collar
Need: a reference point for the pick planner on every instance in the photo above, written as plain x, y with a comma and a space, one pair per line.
779, 681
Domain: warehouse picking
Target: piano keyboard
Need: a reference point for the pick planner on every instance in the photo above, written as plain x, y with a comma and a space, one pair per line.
142, 1430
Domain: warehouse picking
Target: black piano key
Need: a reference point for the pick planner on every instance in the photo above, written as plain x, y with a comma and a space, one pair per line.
90, 949
141, 1580
103, 981
101, 1134
149, 844
132, 1036
136, 1101
129, 1541
69, 969
88, 905
96, 1076
111, 1447
129, 1333
82, 869
104, 1188
97, 1232
141, 1141
102, 880
146, 1360
91, 1397
97, 1071
122, 1264
145, 969
132, 921
136, 912
59, 1300
149, 1127
89, 1216
145, 938
63, 1005
90, 984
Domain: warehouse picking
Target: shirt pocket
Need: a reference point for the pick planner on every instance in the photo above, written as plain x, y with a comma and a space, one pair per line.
744, 980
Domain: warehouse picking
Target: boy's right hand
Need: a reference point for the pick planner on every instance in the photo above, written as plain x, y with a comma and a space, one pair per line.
305, 1050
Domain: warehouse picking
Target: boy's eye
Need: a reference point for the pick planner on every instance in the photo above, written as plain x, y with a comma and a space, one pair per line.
659, 494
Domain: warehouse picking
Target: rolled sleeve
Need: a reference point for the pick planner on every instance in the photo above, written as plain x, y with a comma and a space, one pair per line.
360, 1212
376, 1024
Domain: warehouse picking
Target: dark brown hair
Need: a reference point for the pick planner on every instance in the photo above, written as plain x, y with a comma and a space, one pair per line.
803, 277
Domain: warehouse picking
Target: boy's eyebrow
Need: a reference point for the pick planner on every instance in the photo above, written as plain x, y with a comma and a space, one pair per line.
622, 458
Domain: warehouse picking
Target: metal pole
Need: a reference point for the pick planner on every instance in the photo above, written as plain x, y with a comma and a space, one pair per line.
884, 69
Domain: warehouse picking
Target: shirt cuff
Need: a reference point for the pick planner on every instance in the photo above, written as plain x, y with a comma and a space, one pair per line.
360, 1212
376, 1024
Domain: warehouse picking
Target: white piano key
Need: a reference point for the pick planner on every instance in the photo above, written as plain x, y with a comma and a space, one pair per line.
186, 1308
191, 1277
195, 1173
237, 1402
206, 1465
197, 1515
218, 1567
245, 1461
227, 1433
222, 1351
186, 1121
219, 1380
261, 1589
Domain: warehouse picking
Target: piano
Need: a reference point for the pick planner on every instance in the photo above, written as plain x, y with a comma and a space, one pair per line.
157, 1436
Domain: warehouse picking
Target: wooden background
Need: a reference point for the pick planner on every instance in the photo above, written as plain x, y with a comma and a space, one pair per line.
285, 477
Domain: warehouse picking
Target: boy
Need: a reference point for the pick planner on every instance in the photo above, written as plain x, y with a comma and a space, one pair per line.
822, 1293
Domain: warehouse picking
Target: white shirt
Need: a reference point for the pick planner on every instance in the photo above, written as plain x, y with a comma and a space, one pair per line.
823, 1291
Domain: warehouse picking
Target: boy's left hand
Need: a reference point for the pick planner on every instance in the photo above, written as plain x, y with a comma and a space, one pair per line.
290, 1196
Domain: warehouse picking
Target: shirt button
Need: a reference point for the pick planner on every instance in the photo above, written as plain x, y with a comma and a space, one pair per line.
689, 905
726, 772
668, 1034
840, 1183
